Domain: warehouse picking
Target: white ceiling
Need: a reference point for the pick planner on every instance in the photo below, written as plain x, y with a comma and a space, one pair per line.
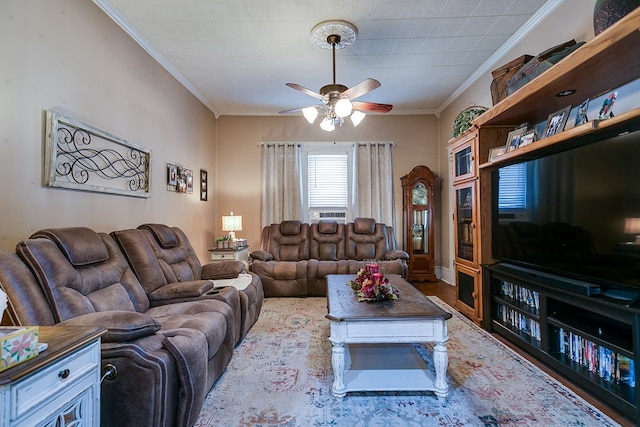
237, 55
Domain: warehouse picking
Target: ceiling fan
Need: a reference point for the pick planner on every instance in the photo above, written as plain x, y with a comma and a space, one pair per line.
337, 99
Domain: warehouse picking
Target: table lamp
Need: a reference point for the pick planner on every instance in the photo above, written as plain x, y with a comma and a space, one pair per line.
232, 223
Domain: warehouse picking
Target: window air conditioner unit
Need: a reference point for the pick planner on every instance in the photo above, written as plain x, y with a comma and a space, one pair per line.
317, 215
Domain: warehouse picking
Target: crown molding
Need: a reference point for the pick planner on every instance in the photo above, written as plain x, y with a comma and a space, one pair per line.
490, 63
117, 17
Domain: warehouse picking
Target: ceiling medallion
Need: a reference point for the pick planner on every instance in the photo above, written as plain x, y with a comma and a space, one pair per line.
346, 31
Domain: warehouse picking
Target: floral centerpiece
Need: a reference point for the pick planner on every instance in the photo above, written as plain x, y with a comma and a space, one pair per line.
371, 285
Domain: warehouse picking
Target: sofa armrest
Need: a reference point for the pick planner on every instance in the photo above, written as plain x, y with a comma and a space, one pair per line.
396, 254
172, 291
261, 255
222, 270
121, 325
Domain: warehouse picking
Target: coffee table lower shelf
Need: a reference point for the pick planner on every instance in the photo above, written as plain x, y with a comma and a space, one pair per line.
385, 367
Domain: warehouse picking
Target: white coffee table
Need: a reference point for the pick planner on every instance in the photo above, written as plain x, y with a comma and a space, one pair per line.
372, 343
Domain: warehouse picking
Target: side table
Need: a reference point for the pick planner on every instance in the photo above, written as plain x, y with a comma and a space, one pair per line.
238, 254
60, 386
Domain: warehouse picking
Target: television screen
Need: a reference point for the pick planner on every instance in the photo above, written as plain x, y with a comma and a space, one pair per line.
574, 213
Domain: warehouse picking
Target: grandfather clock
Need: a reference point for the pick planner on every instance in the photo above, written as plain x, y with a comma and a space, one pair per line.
418, 208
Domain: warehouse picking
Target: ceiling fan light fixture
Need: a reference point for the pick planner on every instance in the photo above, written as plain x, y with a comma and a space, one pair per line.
343, 107
327, 124
310, 113
357, 117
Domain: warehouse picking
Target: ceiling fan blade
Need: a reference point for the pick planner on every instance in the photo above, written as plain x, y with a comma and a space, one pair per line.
304, 90
319, 107
371, 106
367, 85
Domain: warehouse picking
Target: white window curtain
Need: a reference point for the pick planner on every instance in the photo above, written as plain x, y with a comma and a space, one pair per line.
281, 183
373, 183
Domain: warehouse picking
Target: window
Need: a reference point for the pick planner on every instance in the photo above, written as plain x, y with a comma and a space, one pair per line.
513, 187
326, 178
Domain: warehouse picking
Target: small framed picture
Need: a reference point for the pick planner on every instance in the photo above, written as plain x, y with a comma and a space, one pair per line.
527, 138
172, 174
513, 140
497, 151
203, 185
581, 113
556, 121
606, 111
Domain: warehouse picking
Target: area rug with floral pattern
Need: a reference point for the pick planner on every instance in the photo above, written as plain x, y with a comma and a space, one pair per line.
281, 375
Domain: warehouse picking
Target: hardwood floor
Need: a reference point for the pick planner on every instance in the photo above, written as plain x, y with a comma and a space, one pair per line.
447, 293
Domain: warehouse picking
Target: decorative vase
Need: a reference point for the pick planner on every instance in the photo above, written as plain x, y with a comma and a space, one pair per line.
608, 12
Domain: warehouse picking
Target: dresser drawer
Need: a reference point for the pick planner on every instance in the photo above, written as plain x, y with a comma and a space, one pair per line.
55, 379
221, 256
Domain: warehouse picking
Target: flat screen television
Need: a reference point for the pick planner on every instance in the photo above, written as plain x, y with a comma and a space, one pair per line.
574, 214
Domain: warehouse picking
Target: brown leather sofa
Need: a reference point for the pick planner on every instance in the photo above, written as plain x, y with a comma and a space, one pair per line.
169, 270
295, 258
168, 352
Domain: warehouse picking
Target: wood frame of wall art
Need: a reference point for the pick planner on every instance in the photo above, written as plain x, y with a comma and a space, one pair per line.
82, 157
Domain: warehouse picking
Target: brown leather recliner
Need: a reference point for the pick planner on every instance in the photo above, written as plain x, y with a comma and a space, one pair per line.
169, 270
167, 357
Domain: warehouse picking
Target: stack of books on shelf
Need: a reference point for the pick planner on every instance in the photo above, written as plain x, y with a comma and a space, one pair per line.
521, 294
519, 321
607, 364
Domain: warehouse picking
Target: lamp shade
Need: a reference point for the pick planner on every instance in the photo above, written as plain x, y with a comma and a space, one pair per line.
310, 113
357, 117
343, 107
231, 222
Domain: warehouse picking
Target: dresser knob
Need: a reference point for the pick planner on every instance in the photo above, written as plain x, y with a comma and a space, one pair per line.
64, 373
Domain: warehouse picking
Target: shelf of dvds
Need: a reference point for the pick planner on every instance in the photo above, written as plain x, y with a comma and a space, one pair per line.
591, 340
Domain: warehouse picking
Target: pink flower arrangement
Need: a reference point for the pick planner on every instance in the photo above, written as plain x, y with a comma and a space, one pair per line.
372, 286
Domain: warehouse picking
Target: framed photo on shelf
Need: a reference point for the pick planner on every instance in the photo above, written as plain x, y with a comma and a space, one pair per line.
606, 111
581, 113
556, 121
527, 138
496, 152
513, 140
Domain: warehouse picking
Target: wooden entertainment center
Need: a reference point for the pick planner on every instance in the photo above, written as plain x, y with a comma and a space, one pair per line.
541, 313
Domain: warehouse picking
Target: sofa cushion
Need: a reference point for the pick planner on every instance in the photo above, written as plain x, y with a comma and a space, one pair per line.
26, 302
163, 234
120, 325
76, 290
80, 245
261, 255
222, 270
289, 228
364, 225
327, 227
326, 241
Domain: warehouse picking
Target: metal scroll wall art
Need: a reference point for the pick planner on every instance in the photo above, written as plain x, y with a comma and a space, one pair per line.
81, 157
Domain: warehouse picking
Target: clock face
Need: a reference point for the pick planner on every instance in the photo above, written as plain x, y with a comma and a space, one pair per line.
419, 194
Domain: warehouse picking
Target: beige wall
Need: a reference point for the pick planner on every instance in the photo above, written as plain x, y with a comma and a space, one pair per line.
238, 168
67, 55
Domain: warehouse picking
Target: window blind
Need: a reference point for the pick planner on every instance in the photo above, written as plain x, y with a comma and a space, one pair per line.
328, 180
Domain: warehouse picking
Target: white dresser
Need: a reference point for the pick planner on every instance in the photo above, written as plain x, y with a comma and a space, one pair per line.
239, 254
59, 387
